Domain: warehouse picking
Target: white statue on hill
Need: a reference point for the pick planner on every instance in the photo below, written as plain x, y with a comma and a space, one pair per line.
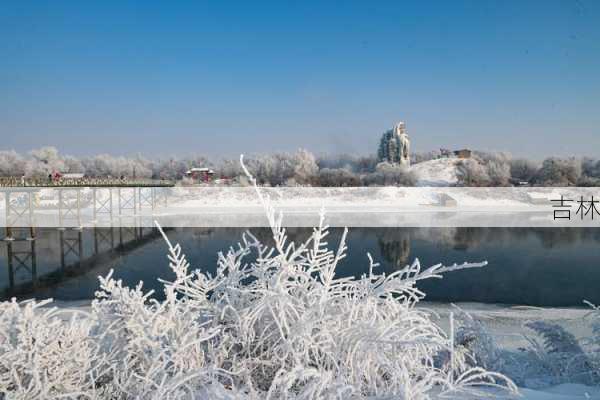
394, 146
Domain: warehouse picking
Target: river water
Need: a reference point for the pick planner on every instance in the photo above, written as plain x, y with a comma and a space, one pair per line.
527, 266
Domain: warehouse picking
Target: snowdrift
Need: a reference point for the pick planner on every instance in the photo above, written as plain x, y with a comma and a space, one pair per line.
439, 172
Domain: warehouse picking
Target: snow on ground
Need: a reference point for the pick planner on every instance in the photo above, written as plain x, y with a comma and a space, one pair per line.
363, 198
506, 323
439, 172
568, 391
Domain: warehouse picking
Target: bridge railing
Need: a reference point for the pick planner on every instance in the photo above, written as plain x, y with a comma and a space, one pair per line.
83, 182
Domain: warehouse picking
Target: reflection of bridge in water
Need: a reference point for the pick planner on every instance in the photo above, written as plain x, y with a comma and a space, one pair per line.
106, 244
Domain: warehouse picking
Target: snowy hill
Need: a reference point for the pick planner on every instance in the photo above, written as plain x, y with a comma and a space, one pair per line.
440, 172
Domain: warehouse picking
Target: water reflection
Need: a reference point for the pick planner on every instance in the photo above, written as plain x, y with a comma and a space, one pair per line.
535, 266
394, 246
63, 254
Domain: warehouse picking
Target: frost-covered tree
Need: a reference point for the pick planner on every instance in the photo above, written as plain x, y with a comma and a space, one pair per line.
590, 167
47, 155
228, 168
523, 169
498, 173
278, 168
11, 163
172, 168
44, 161
73, 165
471, 172
305, 168
559, 172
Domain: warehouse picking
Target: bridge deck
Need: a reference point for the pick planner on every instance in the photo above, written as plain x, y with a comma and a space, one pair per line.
85, 182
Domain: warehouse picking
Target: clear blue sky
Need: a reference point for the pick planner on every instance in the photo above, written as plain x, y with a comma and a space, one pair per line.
175, 77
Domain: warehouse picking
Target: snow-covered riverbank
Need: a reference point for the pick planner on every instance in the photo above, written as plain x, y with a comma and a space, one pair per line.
356, 206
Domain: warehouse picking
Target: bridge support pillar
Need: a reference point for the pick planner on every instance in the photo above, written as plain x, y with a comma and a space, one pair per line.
127, 200
70, 245
18, 211
102, 205
69, 209
146, 197
101, 237
21, 256
159, 195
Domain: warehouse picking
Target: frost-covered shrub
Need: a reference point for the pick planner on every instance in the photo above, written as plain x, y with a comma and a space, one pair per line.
553, 355
273, 322
472, 335
156, 349
560, 357
594, 340
44, 356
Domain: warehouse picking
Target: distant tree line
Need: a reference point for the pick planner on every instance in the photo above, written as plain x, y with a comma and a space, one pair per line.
500, 169
304, 168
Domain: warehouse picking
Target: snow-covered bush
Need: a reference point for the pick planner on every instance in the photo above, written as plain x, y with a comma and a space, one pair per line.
271, 323
559, 355
472, 335
44, 356
553, 355
338, 177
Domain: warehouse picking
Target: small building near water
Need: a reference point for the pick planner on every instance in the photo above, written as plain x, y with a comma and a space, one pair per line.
200, 174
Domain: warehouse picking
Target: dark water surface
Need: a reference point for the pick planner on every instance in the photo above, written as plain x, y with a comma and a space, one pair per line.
532, 266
